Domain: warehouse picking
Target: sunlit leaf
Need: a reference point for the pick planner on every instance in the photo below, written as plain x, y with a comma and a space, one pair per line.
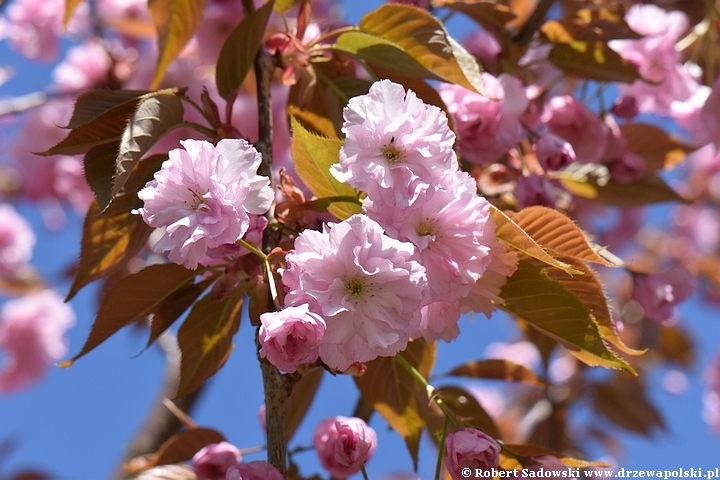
528, 451
491, 15
659, 149
313, 157
282, 5
70, 6
107, 243
624, 402
134, 297
389, 388
21, 281
513, 235
531, 295
497, 369
239, 50
675, 345
205, 340
300, 400
180, 447
176, 21
168, 472
556, 232
394, 32
648, 190
592, 60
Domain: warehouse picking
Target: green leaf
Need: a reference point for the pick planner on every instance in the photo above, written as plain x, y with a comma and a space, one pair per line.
395, 34
239, 50
179, 448
283, 5
176, 21
107, 244
496, 369
313, 157
512, 234
390, 389
154, 117
205, 340
300, 400
133, 298
531, 295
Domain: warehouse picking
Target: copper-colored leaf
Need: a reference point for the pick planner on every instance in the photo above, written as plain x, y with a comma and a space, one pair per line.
205, 340
645, 191
491, 15
531, 295
101, 104
511, 233
168, 472
623, 402
528, 451
107, 243
659, 149
99, 169
556, 232
467, 411
390, 389
70, 6
176, 21
180, 447
21, 281
497, 369
300, 400
134, 297
676, 346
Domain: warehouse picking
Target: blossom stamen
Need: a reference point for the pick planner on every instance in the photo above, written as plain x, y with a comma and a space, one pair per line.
392, 153
355, 287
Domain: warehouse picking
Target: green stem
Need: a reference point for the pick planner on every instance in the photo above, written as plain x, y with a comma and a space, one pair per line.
438, 468
266, 264
365, 475
253, 249
429, 389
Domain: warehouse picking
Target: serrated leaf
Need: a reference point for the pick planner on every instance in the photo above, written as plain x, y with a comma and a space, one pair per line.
624, 402
300, 400
127, 198
134, 297
313, 157
415, 34
180, 447
389, 388
107, 243
154, 117
648, 190
592, 60
511, 233
659, 149
93, 105
528, 451
99, 168
496, 369
176, 21
531, 295
556, 232
205, 340
238, 52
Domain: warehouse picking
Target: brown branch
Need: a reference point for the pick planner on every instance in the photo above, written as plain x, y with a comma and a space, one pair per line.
526, 33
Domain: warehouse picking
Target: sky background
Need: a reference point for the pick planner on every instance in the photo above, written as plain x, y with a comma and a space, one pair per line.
76, 423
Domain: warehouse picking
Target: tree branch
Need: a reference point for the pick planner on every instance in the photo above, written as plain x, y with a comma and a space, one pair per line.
533, 24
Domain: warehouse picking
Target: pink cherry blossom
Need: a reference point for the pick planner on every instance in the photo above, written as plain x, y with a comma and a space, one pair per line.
16, 240
470, 448
344, 445
440, 320
32, 330
203, 195
257, 470
367, 286
214, 460
705, 124
488, 126
394, 144
553, 152
659, 293
571, 120
624, 166
85, 66
711, 398
291, 337
483, 45
534, 190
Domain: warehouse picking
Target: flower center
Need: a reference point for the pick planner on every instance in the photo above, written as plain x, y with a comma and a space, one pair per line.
392, 153
197, 199
427, 227
355, 287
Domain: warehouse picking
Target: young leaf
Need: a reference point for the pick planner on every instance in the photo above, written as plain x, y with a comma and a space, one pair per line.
492, 16
624, 403
313, 157
497, 369
659, 149
299, 401
556, 232
467, 411
528, 451
239, 50
107, 243
134, 297
648, 190
389, 388
205, 340
179, 448
511, 233
592, 60
99, 169
154, 117
176, 21
95, 104
531, 295
418, 35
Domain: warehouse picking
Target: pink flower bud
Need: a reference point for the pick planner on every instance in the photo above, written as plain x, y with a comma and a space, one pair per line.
658, 293
214, 461
257, 470
534, 190
470, 448
553, 152
291, 337
344, 445
625, 107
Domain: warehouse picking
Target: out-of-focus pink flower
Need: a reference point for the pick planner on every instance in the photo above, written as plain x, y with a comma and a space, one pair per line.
659, 293
394, 144
344, 445
257, 470
534, 190
470, 448
291, 337
523, 353
32, 330
553, 152
625, 108
214, 460
488, 126
711, 398
16, 240
440, 320
571, 120
705, 126
203, 195
367, 286
85, 66
624, 165
483, 45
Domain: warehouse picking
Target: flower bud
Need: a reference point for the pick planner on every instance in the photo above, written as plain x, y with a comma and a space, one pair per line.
553, 152
291, 337
214, 461
470, 448
658, 293
344, 445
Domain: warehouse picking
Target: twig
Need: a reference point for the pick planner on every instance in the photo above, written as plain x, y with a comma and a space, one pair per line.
531, 26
